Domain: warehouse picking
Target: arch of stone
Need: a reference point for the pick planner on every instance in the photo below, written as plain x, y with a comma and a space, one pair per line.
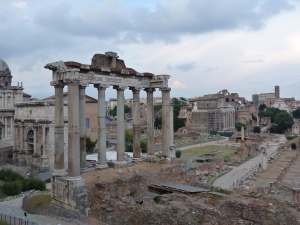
68, 188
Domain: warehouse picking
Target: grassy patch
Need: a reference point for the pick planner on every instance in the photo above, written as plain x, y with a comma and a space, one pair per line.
3, 223
200, 152
41, 199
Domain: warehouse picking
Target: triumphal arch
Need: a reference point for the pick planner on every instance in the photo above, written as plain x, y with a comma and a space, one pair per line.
68, 187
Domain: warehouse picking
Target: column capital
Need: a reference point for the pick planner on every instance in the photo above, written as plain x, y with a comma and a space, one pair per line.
101, 86
83, 85
134, 89
72, 82
149, 89
57, 84
167, 89
119, 87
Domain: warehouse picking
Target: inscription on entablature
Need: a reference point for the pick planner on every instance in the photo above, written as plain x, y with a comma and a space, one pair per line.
130, 81
110, 79
98, 78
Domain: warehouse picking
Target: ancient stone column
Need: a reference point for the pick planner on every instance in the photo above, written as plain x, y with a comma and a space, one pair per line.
120, 125
11, 128
21, 137
35, 132
5, 123
136, 124
243, 137
102, 162
150, 122
73, 131
171, 125
82, 127
45, 165
59, 166
165, 121
264, 159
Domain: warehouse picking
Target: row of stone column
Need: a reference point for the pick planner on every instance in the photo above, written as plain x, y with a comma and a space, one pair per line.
5, 134
229, 119
77, 127
8, 100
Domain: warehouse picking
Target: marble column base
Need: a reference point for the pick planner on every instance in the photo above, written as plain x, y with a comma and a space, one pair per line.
137, 159
82, 170
74, 178
101, 167
120, 162
59, 173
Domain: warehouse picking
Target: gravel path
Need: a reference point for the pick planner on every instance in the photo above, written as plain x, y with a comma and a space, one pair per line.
239, 172
13, 208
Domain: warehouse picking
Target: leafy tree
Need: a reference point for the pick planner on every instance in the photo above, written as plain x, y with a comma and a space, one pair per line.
157, 122
178, 123
90, 145
254, 117
157, 107
113, 112
256, 129
239, 125
262, 107
296, 113
129, 142
284, 121
176, 109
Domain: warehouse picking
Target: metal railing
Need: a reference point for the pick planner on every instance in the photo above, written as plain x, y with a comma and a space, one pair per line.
12, 220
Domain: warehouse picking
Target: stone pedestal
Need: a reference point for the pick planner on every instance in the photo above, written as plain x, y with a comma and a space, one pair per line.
70, 194
264, 160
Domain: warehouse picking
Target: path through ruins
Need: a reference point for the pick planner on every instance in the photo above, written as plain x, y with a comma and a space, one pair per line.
240, 172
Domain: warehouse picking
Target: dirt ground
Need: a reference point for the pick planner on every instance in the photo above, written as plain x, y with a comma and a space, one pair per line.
265, 177
110, 174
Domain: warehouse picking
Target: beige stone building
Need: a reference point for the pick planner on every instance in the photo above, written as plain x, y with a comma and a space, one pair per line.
91, 115
34, 134
9, 95
218, 111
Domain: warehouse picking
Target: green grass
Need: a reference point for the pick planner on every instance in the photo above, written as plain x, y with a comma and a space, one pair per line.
41, 199
199, 152
3, 223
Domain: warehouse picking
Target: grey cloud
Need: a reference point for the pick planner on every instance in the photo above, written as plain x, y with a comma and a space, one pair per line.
186, 66
209, 69
254, 61
56, 26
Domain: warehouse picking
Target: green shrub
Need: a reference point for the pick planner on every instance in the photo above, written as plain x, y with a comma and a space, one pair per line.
7, 175
33, 183
144, 146
12, 188
291, 137
178, 153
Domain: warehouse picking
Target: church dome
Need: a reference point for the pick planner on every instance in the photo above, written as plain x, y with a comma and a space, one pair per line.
3, 65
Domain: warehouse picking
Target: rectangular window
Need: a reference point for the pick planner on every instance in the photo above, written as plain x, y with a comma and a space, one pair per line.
87, 121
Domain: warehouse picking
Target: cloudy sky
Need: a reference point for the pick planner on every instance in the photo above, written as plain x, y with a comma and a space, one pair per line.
245, 46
